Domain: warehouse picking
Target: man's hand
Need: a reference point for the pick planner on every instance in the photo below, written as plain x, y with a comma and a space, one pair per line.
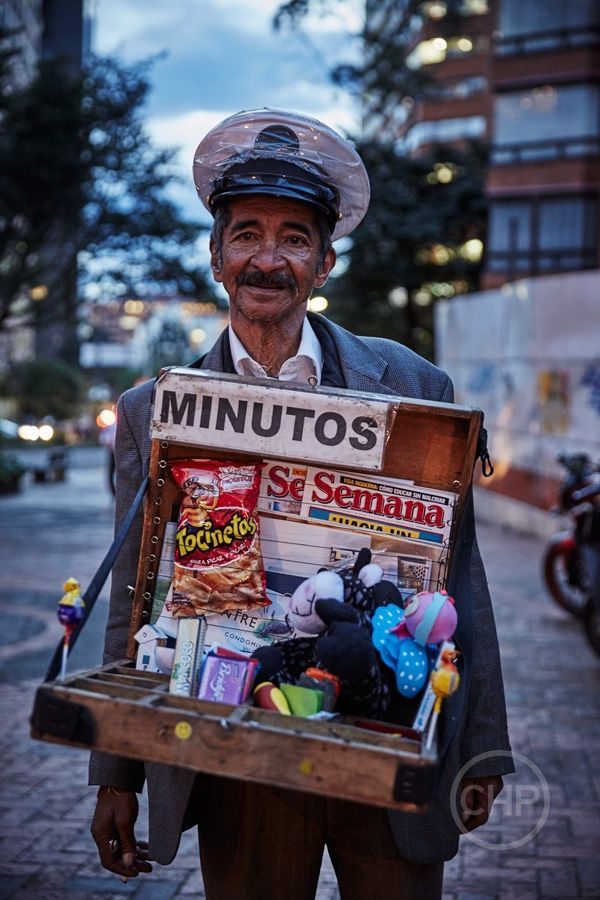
113, 831
476, 798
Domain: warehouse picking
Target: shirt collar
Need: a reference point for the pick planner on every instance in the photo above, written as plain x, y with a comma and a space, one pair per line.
307, 361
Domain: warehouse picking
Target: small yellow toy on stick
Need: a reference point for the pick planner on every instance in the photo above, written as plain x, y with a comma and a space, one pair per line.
444, 682
71, 610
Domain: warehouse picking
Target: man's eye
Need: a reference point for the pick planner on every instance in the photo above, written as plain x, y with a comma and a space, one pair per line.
296, 240
242, 236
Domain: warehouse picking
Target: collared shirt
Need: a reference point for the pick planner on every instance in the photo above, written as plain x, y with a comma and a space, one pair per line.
307, 362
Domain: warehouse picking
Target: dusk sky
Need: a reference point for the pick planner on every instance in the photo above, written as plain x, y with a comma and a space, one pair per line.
222, 56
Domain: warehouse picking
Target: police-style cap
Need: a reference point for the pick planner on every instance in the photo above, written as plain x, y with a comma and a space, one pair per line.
283, 154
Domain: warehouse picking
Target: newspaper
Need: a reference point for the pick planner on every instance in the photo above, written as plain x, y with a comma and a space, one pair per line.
358, 502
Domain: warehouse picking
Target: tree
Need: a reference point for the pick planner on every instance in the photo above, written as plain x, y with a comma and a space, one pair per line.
421, 238
168, 341
419, 242
45, 387
381, 75
84, 200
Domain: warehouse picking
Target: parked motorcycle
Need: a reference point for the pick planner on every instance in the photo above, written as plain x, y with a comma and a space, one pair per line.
591, 555
571, 561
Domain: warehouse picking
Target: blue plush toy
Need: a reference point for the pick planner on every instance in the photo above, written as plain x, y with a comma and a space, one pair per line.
402, 636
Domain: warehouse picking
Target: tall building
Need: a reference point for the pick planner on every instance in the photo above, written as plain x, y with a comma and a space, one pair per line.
23, 18
544, 178
46, 28
525, 350
524, 76
68, 28
449, 44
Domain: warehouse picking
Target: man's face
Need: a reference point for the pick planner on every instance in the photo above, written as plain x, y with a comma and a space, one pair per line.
270, 260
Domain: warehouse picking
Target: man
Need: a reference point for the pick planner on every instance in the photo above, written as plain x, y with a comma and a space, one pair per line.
280, 188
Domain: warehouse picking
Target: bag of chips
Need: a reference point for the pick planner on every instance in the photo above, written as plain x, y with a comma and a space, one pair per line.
218, 563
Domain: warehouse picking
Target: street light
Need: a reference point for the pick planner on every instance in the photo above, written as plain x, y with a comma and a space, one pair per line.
318, 304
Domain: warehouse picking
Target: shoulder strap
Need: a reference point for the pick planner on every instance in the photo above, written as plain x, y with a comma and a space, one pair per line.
91, 594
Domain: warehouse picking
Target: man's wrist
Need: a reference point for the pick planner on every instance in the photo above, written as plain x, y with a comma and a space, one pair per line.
112, 791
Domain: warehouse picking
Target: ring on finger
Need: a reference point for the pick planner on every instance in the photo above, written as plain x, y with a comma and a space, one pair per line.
113, 845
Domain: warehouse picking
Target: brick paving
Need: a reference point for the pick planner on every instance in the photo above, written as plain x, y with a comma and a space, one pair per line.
551, 676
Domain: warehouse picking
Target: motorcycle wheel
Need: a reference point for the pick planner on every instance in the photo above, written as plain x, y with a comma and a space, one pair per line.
592, 625
564, 575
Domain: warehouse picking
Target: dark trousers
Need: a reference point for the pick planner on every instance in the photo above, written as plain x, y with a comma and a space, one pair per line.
264, 843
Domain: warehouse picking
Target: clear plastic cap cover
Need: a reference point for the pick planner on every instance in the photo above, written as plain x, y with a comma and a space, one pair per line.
318, 148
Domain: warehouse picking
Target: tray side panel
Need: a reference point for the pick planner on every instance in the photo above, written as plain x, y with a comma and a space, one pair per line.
229, 746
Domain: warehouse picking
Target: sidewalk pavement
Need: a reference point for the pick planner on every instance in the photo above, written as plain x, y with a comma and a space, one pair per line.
551, 678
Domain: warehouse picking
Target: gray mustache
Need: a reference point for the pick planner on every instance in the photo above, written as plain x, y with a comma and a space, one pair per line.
258, 279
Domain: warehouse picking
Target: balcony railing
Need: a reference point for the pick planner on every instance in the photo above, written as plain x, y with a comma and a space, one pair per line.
542, 41
539, 151
515, 263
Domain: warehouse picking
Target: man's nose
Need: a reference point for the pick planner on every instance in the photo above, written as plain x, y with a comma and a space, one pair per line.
268, 257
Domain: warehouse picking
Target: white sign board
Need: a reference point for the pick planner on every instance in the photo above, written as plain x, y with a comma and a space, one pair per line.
230, 414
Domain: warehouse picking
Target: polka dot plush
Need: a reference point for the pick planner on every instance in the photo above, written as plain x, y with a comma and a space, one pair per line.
386, 643
411, 668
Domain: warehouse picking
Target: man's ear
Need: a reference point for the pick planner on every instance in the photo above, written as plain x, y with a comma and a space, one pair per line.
325, 268
215, 262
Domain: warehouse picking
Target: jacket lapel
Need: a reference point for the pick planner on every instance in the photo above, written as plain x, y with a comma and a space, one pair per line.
362, 367
216, 358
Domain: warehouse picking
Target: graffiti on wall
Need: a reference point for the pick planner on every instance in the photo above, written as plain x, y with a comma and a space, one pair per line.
482, 378
591, 380
554, 398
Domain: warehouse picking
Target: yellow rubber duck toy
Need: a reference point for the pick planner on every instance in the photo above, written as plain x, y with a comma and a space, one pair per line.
71, 596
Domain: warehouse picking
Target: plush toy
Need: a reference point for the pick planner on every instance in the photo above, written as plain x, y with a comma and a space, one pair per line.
402, 636
402, 654
302, 615
359, 581
337, 609
429, 618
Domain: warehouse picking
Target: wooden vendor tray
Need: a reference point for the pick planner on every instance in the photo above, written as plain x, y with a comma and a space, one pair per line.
124, 711
129, 712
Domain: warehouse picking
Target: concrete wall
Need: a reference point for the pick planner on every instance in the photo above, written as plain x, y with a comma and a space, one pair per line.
528, 354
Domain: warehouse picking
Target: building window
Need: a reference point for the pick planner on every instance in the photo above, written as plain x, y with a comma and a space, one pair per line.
536, 26
437, 9
437, 49
546, 122
542, 235
474, 7
444, 131
458, 90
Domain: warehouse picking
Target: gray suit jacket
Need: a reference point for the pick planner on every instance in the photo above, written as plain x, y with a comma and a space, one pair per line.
477, 710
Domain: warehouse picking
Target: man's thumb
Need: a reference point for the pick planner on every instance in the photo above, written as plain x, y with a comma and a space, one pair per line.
127, 844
